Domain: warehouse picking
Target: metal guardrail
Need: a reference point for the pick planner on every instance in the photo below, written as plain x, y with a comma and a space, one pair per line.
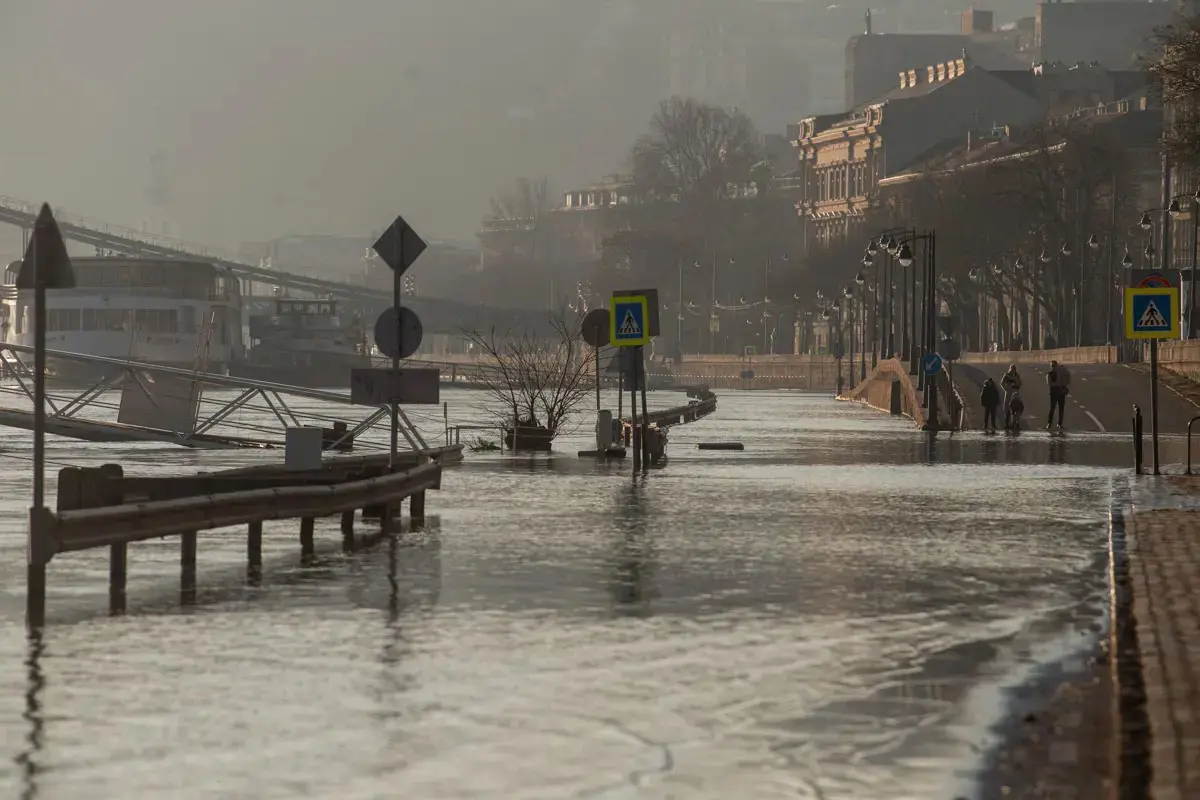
98, 517
100, 527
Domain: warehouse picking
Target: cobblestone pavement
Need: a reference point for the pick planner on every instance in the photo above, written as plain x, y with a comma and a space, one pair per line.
1164, 572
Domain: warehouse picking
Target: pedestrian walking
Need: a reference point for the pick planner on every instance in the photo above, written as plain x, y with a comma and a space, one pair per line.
1011, 383
1058, 381
989, 398
1012, 414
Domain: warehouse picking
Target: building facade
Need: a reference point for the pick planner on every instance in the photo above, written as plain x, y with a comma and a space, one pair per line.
931, 111
842, 158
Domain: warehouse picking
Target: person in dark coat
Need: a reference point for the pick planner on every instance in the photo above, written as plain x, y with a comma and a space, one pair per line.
1016, 407
989, 398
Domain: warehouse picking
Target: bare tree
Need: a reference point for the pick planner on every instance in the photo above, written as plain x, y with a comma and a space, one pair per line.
695, 152
1013, 219
535, 378
528, 200
1176, 69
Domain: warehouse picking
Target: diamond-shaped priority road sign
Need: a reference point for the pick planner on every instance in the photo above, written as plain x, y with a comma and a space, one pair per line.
1152, 313
399, 246
46, 261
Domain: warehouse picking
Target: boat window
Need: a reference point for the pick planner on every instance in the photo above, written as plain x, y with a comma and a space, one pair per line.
188, 319
157, 320
89, 319
62, 319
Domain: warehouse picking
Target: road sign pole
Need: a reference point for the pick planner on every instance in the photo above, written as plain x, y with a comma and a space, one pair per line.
635, 439
641, 357
35, 589
397, 277
1154, 402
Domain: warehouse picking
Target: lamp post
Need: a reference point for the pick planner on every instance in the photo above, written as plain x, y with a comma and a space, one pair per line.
860, 279
44, 266
1174, 209
904, 255
886, 241
1093, 243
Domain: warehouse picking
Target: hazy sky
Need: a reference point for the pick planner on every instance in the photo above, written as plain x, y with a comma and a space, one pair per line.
290, 116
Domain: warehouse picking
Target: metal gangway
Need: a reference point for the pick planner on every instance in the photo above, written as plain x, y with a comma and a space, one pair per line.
177, 406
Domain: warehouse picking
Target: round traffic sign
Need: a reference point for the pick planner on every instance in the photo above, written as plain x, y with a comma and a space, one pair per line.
398, 341
1155, 281
931, 363
596, 327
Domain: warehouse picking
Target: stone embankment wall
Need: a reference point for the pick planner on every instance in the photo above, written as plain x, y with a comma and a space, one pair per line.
1181, 357
876, 391
1063, 355
801, 372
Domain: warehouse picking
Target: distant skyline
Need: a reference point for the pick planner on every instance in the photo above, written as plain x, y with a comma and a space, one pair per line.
277, 117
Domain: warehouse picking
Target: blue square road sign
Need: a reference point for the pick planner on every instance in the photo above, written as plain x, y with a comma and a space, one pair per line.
628, 316
1152, 313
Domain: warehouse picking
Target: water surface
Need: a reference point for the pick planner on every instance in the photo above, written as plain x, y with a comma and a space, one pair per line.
825, 615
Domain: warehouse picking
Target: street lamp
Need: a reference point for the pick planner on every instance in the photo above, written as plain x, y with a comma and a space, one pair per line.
1146, 223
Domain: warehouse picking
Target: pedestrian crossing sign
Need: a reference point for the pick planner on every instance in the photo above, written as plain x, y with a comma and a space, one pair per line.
628, 316
1152, 313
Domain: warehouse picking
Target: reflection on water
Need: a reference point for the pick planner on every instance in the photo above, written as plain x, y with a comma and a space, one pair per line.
27, 759
815, 617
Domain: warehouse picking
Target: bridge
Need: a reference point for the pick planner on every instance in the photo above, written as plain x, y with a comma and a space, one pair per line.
438, 315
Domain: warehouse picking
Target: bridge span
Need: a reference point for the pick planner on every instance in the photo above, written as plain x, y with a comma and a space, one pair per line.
438, 315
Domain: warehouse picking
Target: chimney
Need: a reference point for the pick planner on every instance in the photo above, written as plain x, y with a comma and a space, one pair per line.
930, 74
941, 72
976, 21
968, 140
903, 80
912, 77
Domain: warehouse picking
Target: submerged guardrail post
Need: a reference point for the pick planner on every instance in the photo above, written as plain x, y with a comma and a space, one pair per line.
307, 547
417, 509
187, 567
254, 550
348, 530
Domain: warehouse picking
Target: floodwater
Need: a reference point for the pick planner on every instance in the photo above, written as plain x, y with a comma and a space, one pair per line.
832, 613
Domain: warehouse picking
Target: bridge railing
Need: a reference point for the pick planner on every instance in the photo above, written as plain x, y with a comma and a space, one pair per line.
124, 232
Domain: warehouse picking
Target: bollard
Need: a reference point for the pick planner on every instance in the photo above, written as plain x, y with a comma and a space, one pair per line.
116, 578
1137, 440
254, 549
307, 547
417, 509
348, 530
896, 405
187, 568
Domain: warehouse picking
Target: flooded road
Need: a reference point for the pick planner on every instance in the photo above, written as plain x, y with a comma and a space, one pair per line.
830, 614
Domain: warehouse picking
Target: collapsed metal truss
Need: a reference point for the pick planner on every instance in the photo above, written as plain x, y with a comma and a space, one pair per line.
118, 374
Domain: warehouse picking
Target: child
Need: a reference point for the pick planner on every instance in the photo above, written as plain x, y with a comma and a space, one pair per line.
1016, 407
989, 398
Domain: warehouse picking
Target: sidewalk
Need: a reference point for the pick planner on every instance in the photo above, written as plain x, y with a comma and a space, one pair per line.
1163, 552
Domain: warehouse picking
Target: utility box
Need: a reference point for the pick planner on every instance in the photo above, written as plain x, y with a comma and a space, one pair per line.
604, 430
302, 448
